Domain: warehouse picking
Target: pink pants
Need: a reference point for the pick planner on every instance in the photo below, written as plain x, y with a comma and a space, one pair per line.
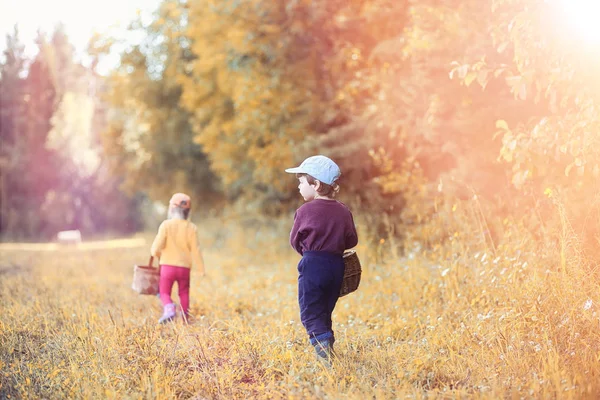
170, 274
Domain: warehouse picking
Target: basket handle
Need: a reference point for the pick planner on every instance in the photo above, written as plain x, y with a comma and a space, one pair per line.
150, 264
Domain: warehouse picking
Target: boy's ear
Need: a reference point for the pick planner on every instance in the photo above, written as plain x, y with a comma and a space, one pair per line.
317, 184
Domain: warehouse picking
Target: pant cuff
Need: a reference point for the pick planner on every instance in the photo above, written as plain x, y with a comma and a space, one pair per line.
314, 339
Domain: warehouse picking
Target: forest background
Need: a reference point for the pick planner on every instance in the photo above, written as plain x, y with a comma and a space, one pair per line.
427, 107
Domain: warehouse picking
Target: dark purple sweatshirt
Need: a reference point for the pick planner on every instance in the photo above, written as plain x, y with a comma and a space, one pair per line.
323, 225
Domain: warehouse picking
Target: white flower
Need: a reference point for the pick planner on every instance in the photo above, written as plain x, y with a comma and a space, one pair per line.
588, 304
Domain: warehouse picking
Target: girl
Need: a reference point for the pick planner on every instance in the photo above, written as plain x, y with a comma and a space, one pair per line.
176, 246
323, 229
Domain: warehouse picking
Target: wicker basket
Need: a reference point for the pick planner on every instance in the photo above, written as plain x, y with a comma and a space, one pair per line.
145, 278
352, 273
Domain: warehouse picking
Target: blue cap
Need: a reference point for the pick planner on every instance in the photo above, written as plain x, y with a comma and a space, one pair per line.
319, 167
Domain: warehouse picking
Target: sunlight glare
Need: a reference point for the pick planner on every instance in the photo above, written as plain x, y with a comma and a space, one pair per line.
582, 17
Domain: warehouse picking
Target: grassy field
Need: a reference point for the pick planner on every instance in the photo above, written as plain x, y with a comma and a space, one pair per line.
444, 324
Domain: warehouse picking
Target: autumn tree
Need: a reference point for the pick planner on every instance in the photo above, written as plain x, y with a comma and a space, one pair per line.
149, 140
28, 103
12, 122
88, 192
250, 88
51, 172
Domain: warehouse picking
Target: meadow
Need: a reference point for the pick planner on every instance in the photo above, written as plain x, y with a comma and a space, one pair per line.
449, 323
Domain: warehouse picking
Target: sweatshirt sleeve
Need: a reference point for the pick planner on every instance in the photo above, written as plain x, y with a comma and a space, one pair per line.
296, 233
197, 259
351, 235
159, 241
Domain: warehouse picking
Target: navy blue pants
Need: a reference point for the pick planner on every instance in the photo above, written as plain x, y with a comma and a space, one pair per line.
319, 282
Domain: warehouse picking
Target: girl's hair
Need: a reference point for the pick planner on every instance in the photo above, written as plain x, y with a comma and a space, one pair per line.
178, 212
324, 189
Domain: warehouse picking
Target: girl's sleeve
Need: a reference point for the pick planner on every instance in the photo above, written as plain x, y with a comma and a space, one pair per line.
197, 258
351, 235
159, 241
296, 233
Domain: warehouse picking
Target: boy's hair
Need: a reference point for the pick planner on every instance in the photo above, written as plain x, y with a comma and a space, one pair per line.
178, 212
324, 189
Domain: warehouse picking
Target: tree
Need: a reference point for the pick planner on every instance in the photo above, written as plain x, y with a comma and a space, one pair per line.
11, 122
250, 89
149, 140
88, 192
48, 124
28, 105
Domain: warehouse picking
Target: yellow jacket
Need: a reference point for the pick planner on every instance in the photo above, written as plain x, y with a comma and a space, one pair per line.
176, 244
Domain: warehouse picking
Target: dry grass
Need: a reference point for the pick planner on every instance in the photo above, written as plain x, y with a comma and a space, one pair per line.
445, 324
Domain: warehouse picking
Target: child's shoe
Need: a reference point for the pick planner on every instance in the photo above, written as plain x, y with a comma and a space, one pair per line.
325, 353
168, 314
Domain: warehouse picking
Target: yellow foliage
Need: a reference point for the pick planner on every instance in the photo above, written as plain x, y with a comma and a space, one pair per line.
241, 92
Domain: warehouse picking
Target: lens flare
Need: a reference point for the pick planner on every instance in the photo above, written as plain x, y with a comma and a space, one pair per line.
581, 16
